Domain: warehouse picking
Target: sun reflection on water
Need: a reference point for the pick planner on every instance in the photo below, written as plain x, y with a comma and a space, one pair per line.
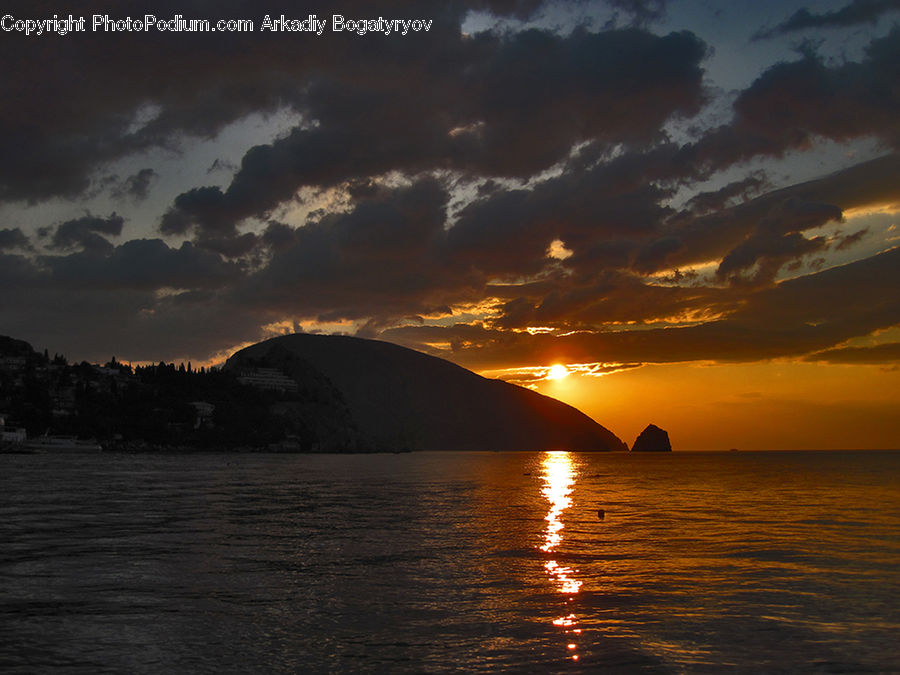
559, 478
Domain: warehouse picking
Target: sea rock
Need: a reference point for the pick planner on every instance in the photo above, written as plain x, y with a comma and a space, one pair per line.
652, 439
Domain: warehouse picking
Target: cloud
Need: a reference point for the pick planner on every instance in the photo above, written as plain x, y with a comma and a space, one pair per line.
16, 271
741, 190
145, 264
87, 233
610, 297
643, 11
858, 11
791, 104
531, 375
850, 240
136, 186
121, 97
795, 317
884, 353
131, 323
439, 173
508, 232
475, 102
381, 259
778, 239
686, 239
14, 238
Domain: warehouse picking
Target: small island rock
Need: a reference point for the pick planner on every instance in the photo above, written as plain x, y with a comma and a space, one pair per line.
652, 439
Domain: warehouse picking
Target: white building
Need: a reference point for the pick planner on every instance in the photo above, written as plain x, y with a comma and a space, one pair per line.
267, 378
12, 434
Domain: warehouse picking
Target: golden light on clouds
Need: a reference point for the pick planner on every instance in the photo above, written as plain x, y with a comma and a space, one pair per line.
531, 375
558, 250
889, 208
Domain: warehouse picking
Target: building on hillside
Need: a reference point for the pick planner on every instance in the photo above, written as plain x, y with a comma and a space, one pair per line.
204, 412
267, 378
11, 434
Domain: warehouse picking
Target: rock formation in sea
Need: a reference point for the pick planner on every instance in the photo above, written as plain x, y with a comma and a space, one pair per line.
652, 439
400, 399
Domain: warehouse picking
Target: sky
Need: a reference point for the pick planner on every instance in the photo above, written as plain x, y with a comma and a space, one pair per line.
692, 205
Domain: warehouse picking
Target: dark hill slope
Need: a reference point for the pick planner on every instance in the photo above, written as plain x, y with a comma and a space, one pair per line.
404, 399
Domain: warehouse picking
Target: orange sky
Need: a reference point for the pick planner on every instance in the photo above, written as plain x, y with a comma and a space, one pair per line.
779, 405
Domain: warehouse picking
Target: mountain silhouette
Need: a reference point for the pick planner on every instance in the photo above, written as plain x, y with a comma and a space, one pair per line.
401, 399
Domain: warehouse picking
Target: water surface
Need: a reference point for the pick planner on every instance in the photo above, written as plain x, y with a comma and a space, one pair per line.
435, 562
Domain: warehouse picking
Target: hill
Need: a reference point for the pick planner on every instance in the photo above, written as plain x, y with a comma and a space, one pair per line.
398, 398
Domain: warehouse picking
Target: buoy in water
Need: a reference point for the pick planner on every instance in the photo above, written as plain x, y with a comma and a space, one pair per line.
601, 514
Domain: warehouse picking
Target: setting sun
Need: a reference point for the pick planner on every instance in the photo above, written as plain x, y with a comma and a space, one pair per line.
557, 372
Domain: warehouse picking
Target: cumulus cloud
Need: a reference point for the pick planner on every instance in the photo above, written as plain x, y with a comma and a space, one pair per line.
383, 258
793, 103
478, 102
87, 233
147, 264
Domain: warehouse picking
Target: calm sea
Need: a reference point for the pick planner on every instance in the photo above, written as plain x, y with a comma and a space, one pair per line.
434, 562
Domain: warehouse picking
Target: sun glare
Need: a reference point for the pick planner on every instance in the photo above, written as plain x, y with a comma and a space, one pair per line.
557, 372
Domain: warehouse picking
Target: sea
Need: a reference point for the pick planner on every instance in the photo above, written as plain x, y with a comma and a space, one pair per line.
744, 562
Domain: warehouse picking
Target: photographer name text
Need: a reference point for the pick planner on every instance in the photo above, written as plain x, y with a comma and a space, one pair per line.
312, 24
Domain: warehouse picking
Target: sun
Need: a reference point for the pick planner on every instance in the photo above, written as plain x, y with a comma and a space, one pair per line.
557, 372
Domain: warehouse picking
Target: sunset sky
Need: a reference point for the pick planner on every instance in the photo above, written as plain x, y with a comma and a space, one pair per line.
693, 205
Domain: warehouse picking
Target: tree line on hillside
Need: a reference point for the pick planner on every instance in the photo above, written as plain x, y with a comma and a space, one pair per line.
165, 405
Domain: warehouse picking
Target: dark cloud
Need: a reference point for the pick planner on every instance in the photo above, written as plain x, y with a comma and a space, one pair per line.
381, 259
686, 239
509, 232
131, 323
278, 235
795, 317
12, 238
129, 92
850, 240
526, 177
771, 252
146, 264
87, 233
858, 11
778, 240
141, 301
739, 190
206, 213
235, 246
16, 271
136, 186
792, 104
490, 105
642, 11
610, 298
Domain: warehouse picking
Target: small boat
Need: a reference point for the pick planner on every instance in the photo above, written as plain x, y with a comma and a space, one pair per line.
61, 444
